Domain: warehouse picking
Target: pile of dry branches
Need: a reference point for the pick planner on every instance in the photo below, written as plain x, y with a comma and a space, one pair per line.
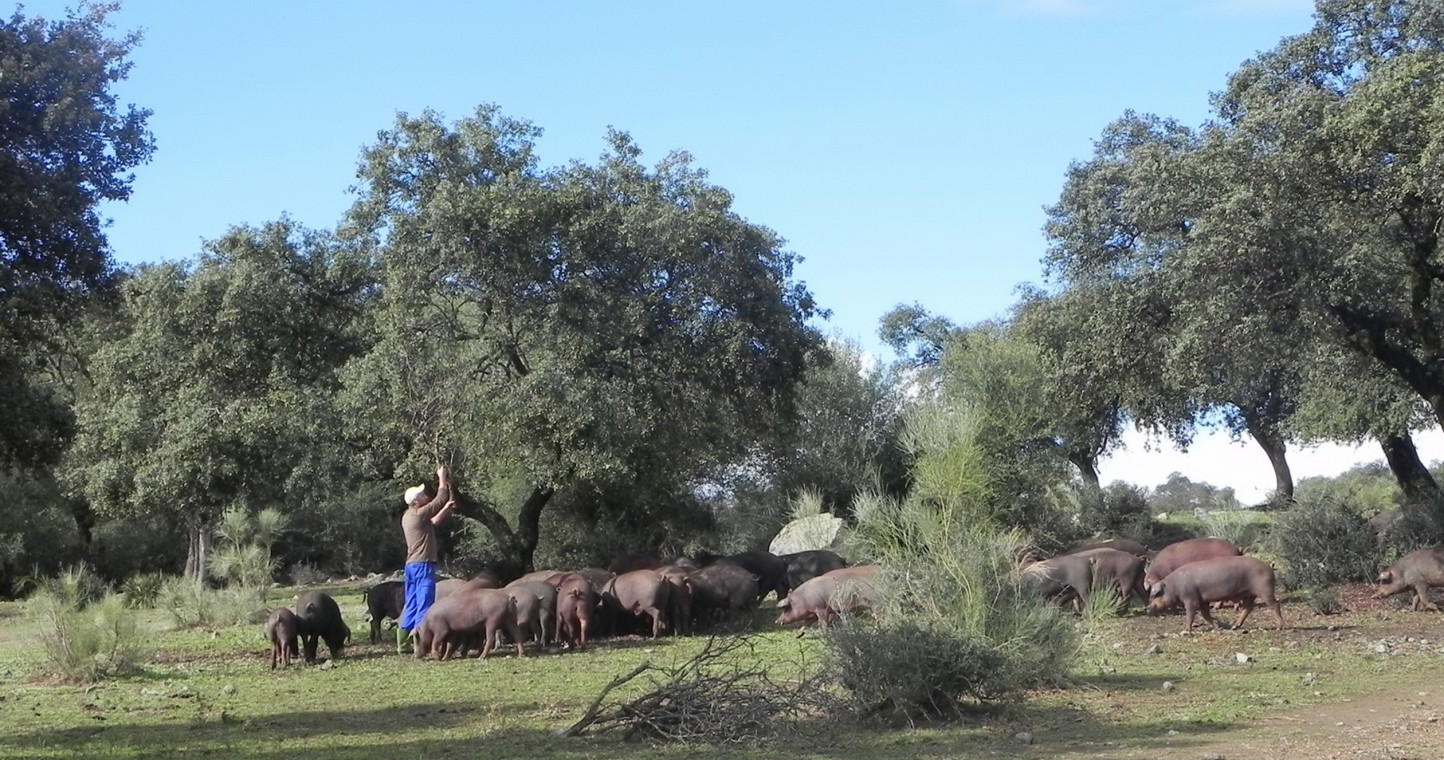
720, 696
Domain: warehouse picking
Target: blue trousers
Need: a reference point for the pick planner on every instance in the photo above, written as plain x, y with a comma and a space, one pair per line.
420, 593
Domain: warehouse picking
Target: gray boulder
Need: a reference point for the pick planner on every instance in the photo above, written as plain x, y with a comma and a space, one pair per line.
820, 531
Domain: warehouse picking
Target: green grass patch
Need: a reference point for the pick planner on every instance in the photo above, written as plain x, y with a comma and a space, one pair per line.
210, 692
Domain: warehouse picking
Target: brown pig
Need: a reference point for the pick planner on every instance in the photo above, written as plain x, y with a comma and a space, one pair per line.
576, 605
1195, 586
849, 589
641, 592
448, 622
1076, 575
1417, 570
1121, 544
282, 630
1178, 554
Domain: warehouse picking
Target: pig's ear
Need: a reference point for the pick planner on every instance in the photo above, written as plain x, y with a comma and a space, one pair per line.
1156, 591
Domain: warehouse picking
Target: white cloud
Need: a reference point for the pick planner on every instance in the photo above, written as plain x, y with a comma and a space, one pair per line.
1242, 465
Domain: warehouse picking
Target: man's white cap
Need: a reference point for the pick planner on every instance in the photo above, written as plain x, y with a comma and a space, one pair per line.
413, 492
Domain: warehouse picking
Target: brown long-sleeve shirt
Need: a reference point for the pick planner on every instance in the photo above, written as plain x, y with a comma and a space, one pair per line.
421, 544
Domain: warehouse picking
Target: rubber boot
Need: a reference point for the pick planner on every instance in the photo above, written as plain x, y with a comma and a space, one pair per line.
403, 641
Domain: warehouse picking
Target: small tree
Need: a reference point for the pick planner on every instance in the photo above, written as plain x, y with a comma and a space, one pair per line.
244, 558
86, 633
954, 623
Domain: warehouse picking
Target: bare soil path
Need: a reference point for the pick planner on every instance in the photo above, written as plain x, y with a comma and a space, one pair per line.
1402, 722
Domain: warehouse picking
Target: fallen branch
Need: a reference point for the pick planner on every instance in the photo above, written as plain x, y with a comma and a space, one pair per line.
715, 698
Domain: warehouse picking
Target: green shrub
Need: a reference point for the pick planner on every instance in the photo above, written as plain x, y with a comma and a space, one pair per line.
1121, 510
1324, 544
1325, 601
1419, 525
190, 604
305, 574
1242, 528
954, 624
87, 641
142, 590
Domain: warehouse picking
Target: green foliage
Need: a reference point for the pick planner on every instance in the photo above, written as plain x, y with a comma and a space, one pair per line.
1180, 495
1104, 604
1368, 488
846, 437
189, 604
593, 326
994, 418
38, 532
1324, 600
954, 624
1123, 511
1420, 524
918, 336
1240, 527
244, 557
67, 147
805, 503
216, 389
142, 590
1323, 544
74, 587
86, 633
124, 548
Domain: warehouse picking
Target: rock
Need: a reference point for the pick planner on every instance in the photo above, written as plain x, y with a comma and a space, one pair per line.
1214, 757
1155, 649
327, 665
1168, 686
1309, 679
820, 531
1172, 732
1381, 648
1023, 737
1242, 658
228, 690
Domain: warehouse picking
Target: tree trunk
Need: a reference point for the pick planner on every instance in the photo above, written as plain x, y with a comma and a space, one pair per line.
198, 554
1413, 477
1277, 452
1088, 469
518, 546
84, 520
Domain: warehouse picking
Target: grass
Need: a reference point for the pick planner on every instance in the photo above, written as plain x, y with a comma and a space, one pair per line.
211, 693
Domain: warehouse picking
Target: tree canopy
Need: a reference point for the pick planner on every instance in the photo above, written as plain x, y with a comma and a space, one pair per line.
66, 145
595, 323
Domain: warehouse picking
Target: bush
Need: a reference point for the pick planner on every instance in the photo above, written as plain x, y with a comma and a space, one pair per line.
1325, 601
124, 548
305, 574
1325, 544
1418, 526
1242, 528
142, 590
86, 638
190, 604
954, 623
1121, 511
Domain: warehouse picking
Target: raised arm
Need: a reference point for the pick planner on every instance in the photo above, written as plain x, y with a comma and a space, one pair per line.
443, 495
443, 513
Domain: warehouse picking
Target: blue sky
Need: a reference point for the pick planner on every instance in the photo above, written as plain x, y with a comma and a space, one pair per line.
905, 150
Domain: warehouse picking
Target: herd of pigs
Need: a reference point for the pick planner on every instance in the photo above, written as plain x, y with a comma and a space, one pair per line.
646, 595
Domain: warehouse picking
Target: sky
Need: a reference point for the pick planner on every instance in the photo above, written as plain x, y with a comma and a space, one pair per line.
905, 151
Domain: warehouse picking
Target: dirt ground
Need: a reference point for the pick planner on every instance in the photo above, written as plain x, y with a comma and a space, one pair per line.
1399, 721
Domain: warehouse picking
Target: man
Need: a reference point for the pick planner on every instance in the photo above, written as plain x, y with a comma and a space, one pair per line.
418, 524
